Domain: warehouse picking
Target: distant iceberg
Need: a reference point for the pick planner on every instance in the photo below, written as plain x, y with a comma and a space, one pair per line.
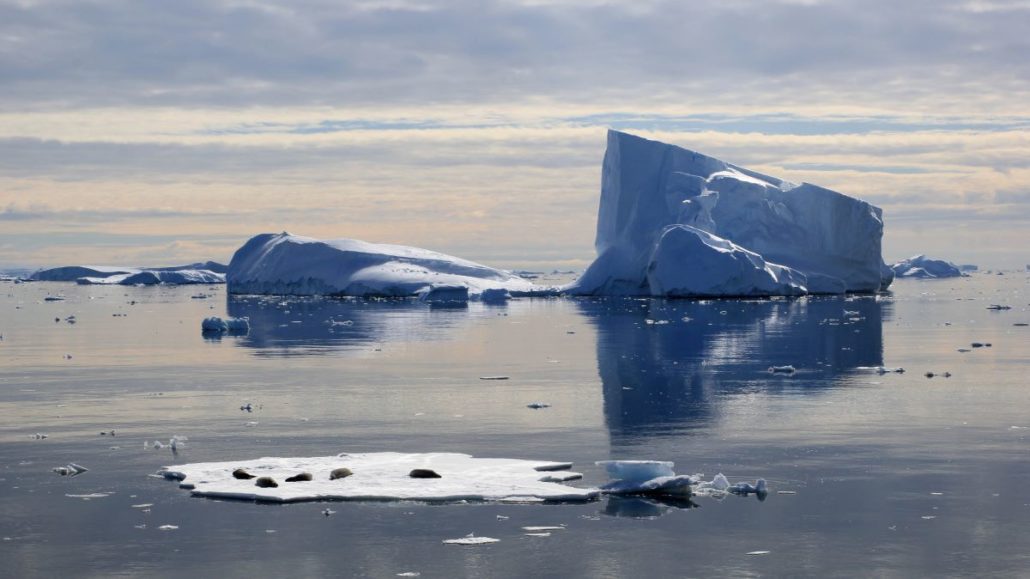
675, 223
922, 267
196, 273
285, 264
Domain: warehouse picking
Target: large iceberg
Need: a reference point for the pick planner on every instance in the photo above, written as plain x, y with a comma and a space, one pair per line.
922, 267
676, 223
285, 264
195, 273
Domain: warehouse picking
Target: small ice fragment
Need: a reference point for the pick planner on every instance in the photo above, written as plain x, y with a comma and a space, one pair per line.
251, 424
788, 369
758, 552
786, 492
143, 506
328, 513
928, 517
89, 496
541, 528
40, 436
143, 526
538, 405
537, 534
494, 377
216, 325
409, 574
502, 518
470, 539
720, 483
168, 527
936, 494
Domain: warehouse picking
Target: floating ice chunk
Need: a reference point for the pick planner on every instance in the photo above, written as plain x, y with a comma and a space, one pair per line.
537, 534
168, 527
760, 488
216, 325
536, 529
495, 296
758, 552
471, 540
71, 469
782, 369
383, 476
90, 496
636, 470
445, 294
672, 485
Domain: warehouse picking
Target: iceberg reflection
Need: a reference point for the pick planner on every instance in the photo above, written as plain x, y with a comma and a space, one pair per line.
306, 325
664, 364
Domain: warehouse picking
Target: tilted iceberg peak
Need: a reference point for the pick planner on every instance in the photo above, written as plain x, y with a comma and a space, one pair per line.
676, 223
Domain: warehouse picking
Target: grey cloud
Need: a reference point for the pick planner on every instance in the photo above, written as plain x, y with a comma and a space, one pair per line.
193, 52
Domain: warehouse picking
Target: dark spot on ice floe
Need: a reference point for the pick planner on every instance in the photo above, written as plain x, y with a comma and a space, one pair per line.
342, 472
302, 477
241, 474
266, 482
423, 473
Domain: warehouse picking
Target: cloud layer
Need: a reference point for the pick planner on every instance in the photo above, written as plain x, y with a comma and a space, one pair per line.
131, 128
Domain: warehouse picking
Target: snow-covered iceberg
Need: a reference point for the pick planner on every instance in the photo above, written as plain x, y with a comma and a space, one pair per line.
382, 476
195, 273
284, 264
922, 267
673, 222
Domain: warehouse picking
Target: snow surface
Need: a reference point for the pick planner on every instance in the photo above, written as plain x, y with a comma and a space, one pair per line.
285, 264
197, 273
384, 476
669, 215
922, 267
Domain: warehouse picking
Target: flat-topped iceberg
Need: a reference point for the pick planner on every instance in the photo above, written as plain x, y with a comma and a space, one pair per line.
922, 267
284, 264
382, 476
675, 223
195, 273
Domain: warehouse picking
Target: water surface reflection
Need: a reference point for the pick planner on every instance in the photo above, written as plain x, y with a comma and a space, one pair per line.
664, 364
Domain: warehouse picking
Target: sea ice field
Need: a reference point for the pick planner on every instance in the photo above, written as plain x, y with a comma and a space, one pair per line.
869, 471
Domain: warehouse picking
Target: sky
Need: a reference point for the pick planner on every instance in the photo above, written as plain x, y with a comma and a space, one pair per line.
149, 132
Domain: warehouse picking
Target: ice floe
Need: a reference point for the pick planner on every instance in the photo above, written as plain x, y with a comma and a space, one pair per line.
383, 476
471, 540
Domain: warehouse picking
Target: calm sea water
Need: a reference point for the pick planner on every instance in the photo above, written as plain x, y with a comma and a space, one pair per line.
894, 475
